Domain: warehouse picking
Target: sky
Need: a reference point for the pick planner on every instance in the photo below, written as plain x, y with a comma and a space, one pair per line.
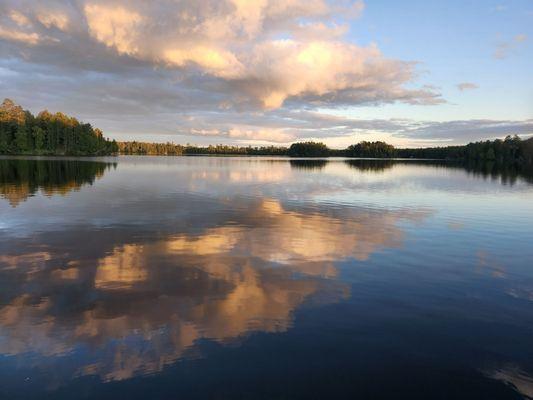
412, 73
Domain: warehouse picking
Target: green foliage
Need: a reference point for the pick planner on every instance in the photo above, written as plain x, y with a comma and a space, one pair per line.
371, 150
170, 149
511, 150
309, 149
48, 134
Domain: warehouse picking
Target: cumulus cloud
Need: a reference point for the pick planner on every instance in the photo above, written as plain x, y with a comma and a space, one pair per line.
262, 54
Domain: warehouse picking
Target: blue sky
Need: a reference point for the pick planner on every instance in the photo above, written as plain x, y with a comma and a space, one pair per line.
455, 41
412, 73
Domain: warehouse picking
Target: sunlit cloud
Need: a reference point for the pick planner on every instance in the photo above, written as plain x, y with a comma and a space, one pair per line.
19, 36
53, 20
259, 54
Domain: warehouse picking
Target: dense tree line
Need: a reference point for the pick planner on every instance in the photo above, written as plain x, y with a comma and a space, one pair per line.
309, 149
152, 149
171, 149
48, 134
371, 150
510, 150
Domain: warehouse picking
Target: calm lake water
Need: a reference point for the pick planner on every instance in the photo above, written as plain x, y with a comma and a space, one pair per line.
258, 278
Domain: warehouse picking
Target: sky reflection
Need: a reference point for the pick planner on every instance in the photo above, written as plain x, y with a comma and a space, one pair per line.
118, 271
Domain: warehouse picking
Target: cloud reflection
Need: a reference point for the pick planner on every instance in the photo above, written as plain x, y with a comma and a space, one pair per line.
138, 305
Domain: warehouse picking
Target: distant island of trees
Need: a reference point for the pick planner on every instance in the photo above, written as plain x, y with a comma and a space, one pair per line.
21, 133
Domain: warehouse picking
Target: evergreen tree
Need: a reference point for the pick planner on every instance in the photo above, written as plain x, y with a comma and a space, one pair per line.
22, 133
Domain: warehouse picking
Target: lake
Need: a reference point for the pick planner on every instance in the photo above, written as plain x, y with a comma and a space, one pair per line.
264, 278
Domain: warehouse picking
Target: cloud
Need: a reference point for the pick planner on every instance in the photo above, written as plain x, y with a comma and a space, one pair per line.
113, 26
522, 37
245, 134
503, 49
53, 20
19, 36
19, 18
466, 86
466, 130
499, 8
264, 54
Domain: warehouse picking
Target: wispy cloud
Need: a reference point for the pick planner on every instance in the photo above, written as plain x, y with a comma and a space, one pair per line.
466, 86
463, 131
500, 8
504, 48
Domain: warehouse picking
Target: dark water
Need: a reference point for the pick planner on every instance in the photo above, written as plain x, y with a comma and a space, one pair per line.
250, 278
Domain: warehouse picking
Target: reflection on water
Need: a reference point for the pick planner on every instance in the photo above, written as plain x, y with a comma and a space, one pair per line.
364, 270
309, 164
249, 274
372, 165
507, 173
516, 378
21, 178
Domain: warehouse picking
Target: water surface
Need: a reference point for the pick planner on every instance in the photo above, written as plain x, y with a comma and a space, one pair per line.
264, 278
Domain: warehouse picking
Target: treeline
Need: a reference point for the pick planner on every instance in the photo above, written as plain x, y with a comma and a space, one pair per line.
510, 150
22, 133
171, 149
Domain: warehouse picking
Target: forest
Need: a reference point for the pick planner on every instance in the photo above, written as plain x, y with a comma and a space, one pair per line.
22, 133
171, 149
